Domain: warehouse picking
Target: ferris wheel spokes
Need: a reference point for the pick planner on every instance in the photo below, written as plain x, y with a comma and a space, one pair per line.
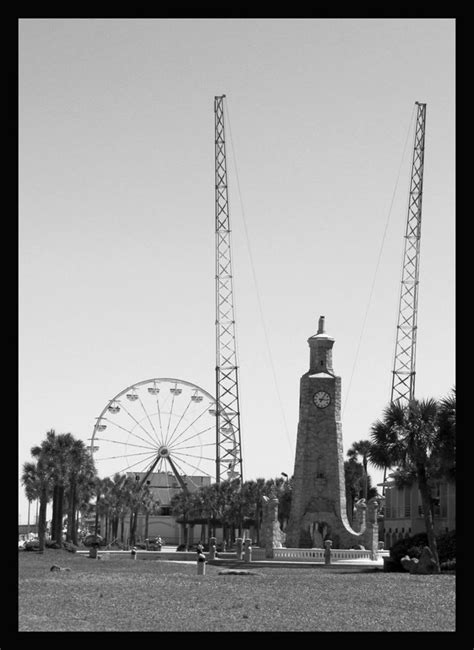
174, 393
189, 477
149, 419
191, 424
128, 467
194, 435
138, 423
129, 431
168, 442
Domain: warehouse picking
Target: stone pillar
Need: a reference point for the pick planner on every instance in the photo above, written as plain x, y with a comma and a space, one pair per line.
360, 515
271, 532
212, 548
201, 564
371, 537
238, 545
248, 550
327, 551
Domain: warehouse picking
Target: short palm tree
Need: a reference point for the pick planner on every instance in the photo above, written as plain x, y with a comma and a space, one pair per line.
182, 506
362, 449
29, 479
36, 478
55, 451
446, 449
80, 476
408, 435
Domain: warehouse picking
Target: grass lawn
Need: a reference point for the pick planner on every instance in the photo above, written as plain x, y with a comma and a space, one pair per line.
121, 594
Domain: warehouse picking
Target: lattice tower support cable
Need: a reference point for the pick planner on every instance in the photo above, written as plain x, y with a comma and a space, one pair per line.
403, 380
228, 439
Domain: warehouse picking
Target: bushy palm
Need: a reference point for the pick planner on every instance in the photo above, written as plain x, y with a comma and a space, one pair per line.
183, 506
446, 445
36, 479
408, 434
56, 453
80, 481
361, 448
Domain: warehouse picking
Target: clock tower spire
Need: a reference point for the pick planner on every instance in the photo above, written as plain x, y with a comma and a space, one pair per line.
318, 506
320, 345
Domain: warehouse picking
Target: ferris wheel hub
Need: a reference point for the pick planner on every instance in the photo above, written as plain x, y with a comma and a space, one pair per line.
163, 452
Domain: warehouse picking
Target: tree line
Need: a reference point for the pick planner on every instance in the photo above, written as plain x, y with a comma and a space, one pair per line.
416, 439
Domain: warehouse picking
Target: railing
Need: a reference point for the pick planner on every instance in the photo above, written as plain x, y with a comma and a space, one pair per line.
317, 554
258, 554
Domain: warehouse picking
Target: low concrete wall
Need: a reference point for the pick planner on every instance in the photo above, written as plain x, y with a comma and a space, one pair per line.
317, 554
149, 555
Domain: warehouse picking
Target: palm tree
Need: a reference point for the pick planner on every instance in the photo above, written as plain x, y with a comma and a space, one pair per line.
150, 505
354, 482
117, 497
252, 493
361, 448
56, 453
446, 448
31, 484
182, 505
408, 434
81, 472
37, 480
208, 507
284, 502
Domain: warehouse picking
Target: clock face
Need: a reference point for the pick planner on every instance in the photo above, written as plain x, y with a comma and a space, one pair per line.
321, 399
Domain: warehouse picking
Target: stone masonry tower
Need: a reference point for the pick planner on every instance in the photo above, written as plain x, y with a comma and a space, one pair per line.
318, 507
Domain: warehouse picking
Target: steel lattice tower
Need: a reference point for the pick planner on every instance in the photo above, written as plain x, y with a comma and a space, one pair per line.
403, 381
228, 441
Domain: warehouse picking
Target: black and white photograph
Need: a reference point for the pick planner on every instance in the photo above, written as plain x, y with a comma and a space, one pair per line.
236, 299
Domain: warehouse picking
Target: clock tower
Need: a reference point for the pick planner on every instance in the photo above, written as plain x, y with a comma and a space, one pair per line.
318, 506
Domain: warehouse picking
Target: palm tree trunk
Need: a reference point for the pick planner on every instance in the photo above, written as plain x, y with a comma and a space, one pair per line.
71, 517
54, 515
42, 519
76, 528
147, 517
185, 534
258, 515
427, 514
366, 480
133, 526
58, 523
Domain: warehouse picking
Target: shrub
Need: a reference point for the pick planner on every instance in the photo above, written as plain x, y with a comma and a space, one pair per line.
412, 546
449, 565
447, 546
52, 543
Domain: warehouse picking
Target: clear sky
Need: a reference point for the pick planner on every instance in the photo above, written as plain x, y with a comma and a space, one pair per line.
117, 224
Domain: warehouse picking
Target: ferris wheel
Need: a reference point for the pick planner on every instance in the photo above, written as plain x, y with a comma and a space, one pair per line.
158, 426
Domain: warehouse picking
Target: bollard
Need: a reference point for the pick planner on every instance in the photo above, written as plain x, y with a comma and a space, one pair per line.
248, 550
212, 548
201, 564
93, 552
238, 547
134, 552
327, 551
